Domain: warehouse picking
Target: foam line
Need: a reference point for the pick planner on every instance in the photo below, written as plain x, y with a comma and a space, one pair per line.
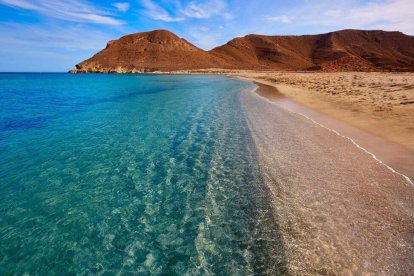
337, 133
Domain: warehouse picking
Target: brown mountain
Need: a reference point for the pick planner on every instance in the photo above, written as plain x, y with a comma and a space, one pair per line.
149, 51
346, 50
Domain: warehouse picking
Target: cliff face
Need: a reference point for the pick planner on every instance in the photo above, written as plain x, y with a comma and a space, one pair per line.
347, 50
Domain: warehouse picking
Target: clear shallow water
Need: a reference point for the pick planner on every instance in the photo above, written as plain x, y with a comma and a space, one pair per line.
131, 173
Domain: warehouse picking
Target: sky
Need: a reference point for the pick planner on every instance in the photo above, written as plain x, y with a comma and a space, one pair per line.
54, 35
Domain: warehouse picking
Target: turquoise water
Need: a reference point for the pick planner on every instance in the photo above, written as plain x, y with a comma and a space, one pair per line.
131, 174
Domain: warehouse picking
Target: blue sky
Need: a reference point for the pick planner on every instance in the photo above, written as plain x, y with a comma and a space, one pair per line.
54, 35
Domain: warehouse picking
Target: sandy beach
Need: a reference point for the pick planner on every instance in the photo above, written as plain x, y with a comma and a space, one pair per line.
398, 157
380, 103
335, 217
375, 109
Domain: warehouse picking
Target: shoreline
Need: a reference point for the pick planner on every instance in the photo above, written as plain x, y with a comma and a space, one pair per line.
380, 103
391, 138
394, 156
339, 210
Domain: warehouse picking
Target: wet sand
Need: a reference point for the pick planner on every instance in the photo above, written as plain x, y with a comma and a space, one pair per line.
394, 155
339, 210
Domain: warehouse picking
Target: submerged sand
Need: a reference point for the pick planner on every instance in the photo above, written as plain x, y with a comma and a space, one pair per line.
339, 210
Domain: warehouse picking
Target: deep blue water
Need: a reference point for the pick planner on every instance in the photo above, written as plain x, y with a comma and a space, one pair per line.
137, 174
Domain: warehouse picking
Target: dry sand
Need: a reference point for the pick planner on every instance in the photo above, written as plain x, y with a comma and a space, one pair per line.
380, 103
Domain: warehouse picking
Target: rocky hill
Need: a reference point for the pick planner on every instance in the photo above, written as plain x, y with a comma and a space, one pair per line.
346, 50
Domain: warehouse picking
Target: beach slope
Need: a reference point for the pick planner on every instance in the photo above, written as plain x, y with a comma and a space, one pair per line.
339, 210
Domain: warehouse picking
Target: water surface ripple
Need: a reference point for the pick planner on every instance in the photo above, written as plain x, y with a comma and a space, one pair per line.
106, 174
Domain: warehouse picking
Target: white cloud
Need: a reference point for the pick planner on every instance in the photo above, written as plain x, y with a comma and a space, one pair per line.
60, 49
204, 38
333, 13
122, 7
397, 14
391, 15
76, 37
283, 18
157, 12
228, 15
204, 9
175, 11
70, 10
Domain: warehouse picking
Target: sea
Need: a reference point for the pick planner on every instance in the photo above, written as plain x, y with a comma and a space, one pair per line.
105, 174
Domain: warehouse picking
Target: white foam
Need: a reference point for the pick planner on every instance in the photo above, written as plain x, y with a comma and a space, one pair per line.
337, 133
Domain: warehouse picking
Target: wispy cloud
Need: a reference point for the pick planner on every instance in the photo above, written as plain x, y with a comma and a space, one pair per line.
53, 36
204, 37
387, 15
396, 14
333, 13
123, 6
204, 9
283, 18
69, 10
157, 12
29, 47
176, 11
